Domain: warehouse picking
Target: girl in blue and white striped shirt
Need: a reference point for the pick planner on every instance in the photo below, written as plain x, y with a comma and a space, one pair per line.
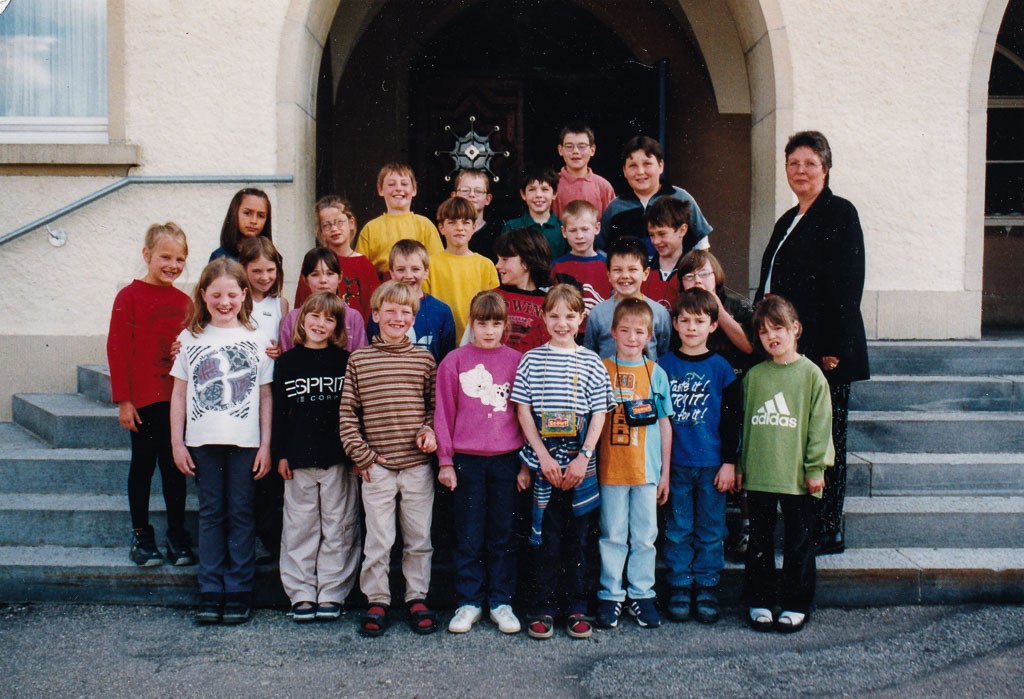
562, 392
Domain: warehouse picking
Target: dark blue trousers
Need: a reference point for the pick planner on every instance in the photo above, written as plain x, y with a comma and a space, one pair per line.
484, 503
560, 562
227, 543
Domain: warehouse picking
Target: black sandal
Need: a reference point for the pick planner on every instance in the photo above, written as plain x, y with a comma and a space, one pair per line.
375, 621
422, 619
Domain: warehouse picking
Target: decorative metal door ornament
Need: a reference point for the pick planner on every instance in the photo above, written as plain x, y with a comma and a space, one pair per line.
472, 151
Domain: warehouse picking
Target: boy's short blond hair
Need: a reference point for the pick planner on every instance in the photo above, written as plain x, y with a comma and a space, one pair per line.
394, 292
577, 208
634, 308
407, 247
471, 172
395, 168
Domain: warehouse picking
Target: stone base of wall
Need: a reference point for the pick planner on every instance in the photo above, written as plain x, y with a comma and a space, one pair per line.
922, 315
44, 363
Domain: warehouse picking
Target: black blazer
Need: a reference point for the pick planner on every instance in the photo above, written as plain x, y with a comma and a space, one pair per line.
820, 270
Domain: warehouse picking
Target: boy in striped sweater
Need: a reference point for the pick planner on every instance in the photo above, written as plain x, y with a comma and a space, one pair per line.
386, 418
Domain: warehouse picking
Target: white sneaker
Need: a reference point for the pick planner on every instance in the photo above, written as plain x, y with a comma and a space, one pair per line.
505, 618
465, 617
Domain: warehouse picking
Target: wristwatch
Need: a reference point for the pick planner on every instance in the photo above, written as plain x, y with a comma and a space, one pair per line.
589, 453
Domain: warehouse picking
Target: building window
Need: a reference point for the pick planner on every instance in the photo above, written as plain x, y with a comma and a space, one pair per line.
53, 71
1004, 181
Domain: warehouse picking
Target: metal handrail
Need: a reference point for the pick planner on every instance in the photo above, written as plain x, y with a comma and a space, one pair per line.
143, 179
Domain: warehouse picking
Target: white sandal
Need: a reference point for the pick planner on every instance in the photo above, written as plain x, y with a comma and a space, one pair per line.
760, 619
791, 622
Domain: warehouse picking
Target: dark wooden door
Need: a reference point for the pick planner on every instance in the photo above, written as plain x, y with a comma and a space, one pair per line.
443, 110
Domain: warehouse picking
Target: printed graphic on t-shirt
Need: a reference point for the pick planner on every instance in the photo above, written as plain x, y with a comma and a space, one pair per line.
224, 377
775, 411
591, 296
478, 383
689, 398
424, 341
314, 388
349, 289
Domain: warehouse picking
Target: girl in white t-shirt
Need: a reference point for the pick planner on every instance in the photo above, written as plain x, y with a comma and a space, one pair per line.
220, 433
265, 271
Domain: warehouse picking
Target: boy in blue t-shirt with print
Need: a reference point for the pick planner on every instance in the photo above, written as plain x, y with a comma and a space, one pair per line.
707, 407
434, 327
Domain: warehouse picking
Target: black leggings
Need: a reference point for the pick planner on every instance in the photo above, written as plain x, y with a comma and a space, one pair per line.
830, 507
152, 444
799, 574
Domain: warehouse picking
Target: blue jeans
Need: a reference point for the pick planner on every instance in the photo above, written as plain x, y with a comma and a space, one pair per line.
629, 527
694, 527
484, 503
227, 540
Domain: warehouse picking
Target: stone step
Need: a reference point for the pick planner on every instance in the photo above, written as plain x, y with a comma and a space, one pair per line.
94, 381
935, 432
885, 474
69, 420
938, 393
989, 356
97, 574
78, 520
30, 465
921, 521
864, 577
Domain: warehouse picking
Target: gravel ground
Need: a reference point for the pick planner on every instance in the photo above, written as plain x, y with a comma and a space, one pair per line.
70, 650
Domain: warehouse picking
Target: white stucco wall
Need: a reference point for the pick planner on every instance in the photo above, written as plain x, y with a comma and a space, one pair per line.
888, 83
199, 98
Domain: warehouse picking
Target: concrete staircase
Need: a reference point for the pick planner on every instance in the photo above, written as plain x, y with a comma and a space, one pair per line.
935, 507
935, 500
64, 522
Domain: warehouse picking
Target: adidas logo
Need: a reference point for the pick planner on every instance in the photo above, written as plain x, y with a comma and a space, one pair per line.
774, 412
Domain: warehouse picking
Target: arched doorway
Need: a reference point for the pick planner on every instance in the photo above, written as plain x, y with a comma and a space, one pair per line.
740, 50
1002, 290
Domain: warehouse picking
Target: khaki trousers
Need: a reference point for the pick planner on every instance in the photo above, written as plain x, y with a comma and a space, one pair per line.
412, 489
320, 534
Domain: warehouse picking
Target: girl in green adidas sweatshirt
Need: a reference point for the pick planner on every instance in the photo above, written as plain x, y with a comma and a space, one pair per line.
787, 445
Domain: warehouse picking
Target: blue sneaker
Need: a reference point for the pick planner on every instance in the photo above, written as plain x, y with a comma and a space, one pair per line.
646, 612
608, 611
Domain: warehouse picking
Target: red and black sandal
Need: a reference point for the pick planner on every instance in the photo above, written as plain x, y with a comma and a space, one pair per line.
422, 619
578, 626
375, 621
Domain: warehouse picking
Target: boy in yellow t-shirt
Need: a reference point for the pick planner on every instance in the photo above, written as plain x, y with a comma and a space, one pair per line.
457, 273
396, 185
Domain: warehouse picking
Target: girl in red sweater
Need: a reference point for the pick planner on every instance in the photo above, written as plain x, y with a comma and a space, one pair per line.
148, 314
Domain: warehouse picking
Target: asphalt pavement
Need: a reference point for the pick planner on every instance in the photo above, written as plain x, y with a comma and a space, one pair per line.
93, 650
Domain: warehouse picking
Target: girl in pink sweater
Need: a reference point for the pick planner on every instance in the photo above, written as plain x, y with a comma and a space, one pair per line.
478, 438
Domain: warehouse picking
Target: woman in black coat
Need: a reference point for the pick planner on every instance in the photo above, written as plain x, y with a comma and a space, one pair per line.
815, 258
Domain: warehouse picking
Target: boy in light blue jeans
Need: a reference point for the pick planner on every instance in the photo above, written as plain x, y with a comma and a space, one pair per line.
632, 469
